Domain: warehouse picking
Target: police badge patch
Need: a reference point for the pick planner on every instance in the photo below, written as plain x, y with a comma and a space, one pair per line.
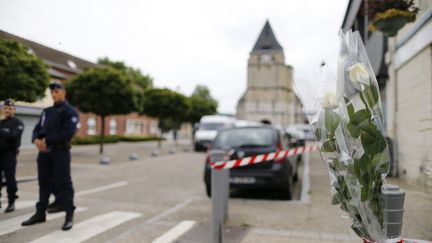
74, 119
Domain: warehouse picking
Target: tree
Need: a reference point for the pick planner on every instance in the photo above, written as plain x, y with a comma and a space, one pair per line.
201, 104
103, 91
171, 108
144, 81
23, 76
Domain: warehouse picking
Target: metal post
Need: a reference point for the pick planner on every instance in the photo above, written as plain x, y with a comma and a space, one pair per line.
220, 196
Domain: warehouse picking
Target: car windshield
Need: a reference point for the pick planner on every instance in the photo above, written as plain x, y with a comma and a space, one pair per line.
245, 138
210, 126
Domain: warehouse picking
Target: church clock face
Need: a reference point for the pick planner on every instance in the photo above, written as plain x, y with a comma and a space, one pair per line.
266, 59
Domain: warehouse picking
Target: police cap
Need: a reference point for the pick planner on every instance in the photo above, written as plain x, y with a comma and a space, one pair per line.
56, 85
9, 102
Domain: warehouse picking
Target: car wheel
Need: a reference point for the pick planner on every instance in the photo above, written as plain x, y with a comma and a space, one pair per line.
287, 190
208, 190
196, 148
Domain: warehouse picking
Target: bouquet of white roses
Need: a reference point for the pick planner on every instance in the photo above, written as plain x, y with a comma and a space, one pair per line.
346, 115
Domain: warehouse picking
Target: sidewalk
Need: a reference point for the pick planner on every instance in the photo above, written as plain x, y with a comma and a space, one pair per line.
318, 220
88, 155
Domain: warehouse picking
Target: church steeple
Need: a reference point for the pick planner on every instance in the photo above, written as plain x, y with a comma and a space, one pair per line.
267, 40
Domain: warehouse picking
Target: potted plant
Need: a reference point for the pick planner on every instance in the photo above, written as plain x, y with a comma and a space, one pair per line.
390, 16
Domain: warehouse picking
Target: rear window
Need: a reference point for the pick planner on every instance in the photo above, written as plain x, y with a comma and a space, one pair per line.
211, 126
250, 137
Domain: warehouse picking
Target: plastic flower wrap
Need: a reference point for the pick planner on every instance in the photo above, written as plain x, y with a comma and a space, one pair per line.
346, 114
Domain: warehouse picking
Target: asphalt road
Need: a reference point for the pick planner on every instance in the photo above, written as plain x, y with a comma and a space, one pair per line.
159, 197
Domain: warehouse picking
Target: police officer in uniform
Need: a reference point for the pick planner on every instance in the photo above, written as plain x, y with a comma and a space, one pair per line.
52, 136
11, 129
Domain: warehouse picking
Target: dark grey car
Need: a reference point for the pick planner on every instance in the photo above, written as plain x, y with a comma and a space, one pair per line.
250, 141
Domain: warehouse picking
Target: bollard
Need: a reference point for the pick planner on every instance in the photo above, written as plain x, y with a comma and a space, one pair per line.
393, 199
220, 195
104, 160
133, 156
155, 153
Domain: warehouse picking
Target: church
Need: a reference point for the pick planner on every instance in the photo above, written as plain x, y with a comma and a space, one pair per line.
269, 96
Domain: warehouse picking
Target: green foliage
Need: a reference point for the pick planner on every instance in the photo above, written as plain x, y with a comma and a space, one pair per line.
166, 104
366, 171
94, 140
23, 76
138, 138
201, 104
143, 81
103, 91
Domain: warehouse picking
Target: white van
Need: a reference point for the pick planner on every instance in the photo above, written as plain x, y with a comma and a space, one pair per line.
208, 129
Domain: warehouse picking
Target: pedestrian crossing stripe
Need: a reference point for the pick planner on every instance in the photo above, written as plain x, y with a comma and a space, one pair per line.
14, 224
89, 228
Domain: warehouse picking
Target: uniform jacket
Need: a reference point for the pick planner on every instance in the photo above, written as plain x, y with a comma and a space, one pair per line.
57, 125
10, 134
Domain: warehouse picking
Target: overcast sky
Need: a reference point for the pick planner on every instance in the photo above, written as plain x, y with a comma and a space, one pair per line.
183, 43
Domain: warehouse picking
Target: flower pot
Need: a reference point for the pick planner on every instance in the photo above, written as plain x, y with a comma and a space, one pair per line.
392, 25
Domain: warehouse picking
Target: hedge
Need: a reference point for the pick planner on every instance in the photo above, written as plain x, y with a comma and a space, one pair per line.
111, 139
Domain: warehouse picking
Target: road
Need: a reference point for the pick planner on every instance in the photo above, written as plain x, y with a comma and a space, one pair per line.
144, 200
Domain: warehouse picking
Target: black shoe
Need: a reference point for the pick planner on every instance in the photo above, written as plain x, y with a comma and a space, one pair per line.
38, 217
68, 222
55, 208
10, 207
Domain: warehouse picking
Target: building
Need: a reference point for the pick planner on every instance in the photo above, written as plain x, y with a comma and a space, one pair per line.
403, 65
269, 95
61, 67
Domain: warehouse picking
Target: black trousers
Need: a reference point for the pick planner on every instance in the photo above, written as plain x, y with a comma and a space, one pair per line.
54, 175
8, 164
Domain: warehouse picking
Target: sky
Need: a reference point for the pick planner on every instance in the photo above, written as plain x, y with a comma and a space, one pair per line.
185, 43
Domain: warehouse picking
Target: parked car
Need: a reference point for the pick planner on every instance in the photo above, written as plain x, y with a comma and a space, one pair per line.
301, 131
249, 141
208, 128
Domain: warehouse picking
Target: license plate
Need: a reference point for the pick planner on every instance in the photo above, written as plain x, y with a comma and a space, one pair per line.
242, 180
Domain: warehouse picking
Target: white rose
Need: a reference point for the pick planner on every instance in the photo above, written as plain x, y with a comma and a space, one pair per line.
330, 100
359, 74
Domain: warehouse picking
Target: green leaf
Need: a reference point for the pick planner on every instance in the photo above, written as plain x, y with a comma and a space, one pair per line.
361, 116
350, 109
328, 146
364, 193
369, 96
336, 199
318, 133
332, 120
353, 130
373, 141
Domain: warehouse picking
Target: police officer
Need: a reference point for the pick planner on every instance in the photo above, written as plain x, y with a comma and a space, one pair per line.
52, 136
11, 129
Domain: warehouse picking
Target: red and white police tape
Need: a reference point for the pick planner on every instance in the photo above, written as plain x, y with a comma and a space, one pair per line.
279, 155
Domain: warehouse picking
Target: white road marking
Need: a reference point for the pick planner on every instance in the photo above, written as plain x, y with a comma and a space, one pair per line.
154, 219
174, 233
304, 195
89, 228
14, 224
102, 188
27, 204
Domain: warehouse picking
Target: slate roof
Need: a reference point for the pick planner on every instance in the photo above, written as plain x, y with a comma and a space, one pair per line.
267, 40
52, 57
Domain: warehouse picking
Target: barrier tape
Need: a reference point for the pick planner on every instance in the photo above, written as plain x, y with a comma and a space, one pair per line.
279, 155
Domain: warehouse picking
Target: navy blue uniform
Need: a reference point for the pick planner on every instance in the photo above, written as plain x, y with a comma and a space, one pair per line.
57, 126
10, 139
